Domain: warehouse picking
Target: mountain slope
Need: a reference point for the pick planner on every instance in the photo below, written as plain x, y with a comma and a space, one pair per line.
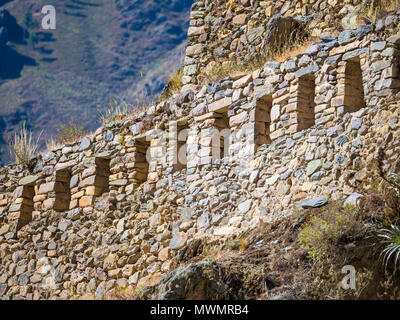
100, 50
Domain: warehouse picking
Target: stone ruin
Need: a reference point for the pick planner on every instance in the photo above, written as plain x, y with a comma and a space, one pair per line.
117, 208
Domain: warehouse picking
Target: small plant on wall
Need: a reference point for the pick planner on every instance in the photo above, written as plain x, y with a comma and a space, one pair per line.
70, 132
23, 146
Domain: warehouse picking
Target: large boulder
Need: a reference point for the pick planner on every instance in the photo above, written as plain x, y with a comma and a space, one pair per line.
192, 282
312, 203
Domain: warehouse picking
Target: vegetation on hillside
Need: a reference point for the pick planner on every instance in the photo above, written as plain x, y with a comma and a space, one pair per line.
90, 59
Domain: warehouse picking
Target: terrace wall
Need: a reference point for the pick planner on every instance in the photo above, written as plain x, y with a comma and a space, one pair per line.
115, 210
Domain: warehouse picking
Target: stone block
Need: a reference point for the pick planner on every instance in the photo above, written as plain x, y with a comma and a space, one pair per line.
220, 105
119, 182
94, 191
78, 195
195, 31
51, 187
194, 50
98, 181
48, 204
338, 101
24, 192
275, 113
163, 255
28, 181
24, 202
239, 119
242, 82
240, 19
86, 201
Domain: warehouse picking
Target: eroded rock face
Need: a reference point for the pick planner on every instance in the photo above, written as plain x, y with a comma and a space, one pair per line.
193, 282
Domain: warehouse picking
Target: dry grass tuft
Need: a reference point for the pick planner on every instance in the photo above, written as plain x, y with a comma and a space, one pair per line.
52, 144
299, 48
116, 112
173, 86
232, 68
279, 53
23, 146
119, 110
69, 133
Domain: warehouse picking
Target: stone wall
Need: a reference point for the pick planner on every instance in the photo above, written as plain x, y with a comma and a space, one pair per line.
115, 209
243, 30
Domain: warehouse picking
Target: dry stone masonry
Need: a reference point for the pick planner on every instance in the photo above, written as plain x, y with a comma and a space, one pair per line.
116, 209
243, 30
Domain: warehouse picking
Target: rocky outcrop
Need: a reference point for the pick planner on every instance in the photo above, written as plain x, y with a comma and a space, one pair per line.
193, 282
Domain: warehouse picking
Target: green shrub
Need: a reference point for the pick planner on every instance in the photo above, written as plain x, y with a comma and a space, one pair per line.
232, 244
390, 240
326, 229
